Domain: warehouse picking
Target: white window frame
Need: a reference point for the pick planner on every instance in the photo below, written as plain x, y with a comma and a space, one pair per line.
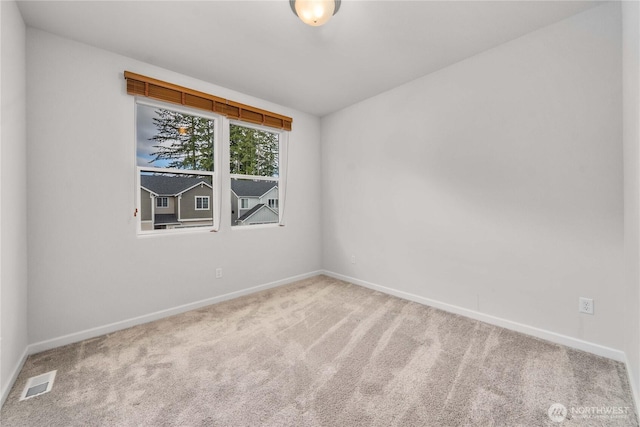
164, 205
282, 142
207, 198
215, 202
275, 202
242, 203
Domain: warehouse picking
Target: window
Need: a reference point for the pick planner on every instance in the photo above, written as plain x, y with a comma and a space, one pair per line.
177, 132
202, 203
175, 158
255, 175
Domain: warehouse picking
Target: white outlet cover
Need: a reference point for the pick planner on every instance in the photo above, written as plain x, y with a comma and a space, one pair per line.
585, 305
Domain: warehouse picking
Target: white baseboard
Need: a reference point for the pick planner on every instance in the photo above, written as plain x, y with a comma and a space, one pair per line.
6, 388
493, 320
116, 326
632, 384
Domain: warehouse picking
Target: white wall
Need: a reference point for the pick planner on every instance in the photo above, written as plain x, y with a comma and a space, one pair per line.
495, 185
87, 267
631, 138
13, 195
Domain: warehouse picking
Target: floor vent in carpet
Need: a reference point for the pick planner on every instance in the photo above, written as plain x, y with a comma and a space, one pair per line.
38, 385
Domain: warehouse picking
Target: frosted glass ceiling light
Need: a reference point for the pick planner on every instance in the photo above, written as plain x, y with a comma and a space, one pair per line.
315, 12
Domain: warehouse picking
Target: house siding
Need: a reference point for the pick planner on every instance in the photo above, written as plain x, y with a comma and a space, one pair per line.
271, 194
145, 205
235, 214
171, 205
188, 203
264, 215
253, 201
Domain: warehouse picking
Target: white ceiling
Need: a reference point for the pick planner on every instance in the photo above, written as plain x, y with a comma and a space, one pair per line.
262, 49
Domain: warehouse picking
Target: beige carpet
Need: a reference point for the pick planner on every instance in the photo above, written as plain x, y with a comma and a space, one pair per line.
320, 352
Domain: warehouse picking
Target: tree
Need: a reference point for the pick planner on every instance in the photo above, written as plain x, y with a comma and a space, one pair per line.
187, 142
253, 151
184, 139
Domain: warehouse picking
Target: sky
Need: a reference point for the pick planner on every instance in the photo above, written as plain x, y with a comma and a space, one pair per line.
145, 129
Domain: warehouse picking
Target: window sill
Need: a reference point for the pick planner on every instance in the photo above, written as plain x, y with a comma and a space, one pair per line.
179, 232
254, 227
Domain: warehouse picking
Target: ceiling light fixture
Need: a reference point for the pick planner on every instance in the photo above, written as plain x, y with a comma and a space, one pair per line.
315, 12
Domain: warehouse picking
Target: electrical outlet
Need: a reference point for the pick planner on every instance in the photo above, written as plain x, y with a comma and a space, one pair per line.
586, 305
218, 273
353, 259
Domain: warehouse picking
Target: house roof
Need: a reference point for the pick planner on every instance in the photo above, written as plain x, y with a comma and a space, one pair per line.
165, 219
253, 210
250, 188
164, 185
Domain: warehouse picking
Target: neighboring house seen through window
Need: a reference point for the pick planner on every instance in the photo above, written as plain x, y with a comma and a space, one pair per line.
254, 155
175, 159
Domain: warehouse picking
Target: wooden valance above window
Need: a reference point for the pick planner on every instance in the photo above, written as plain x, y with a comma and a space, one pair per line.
163, 91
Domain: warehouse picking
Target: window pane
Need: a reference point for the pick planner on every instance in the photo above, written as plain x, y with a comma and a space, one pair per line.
253, 151
250, 199
202, 202
166, 201
169, 139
